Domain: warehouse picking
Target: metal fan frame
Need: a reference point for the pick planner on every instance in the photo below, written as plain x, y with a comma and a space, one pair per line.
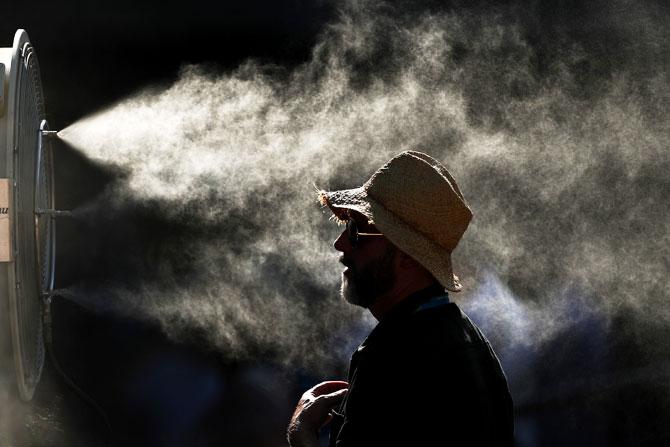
28, 364
45, 156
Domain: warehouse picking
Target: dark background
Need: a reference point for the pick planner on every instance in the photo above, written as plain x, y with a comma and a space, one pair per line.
157, 392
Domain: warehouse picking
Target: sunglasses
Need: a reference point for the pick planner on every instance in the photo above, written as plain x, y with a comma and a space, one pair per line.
353, 233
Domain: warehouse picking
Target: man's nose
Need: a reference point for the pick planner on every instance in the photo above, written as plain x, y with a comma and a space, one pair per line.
342, 243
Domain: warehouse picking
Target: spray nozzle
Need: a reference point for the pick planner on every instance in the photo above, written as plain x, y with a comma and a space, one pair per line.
49, 133
53, 213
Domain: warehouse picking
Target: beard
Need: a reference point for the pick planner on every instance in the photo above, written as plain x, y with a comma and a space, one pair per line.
363, 286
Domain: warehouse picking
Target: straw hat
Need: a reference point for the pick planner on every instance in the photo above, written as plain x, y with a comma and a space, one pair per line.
416, 203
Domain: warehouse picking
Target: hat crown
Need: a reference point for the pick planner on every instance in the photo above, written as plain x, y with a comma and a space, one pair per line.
418, 190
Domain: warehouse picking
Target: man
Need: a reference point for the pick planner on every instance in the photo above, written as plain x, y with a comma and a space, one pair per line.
425, 375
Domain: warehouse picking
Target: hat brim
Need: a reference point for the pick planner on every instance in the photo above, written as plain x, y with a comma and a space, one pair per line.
435, 258
346, 199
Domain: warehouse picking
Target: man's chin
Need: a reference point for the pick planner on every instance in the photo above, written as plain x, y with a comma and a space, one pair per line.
350, 294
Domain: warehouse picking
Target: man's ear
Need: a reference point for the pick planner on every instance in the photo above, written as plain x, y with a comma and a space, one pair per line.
405, 261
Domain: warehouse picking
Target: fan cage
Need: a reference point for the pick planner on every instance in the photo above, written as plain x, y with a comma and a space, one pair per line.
30, 169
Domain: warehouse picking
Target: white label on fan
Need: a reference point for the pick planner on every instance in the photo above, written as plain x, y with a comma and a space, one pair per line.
5, 237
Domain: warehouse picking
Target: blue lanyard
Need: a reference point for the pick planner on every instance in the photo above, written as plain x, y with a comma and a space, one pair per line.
436, 301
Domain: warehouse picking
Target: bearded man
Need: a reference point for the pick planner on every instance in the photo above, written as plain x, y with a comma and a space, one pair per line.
425, 375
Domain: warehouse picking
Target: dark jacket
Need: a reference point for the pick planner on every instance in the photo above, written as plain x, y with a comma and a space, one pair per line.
425, 376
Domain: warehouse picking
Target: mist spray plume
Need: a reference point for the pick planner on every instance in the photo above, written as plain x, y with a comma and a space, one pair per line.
566, 175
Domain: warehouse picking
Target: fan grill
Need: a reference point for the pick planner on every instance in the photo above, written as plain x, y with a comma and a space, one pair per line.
31, 234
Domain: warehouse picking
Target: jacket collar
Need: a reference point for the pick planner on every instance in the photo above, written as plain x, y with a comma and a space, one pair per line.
402, 310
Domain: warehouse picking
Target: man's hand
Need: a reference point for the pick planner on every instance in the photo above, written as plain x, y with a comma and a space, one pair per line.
313, 412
